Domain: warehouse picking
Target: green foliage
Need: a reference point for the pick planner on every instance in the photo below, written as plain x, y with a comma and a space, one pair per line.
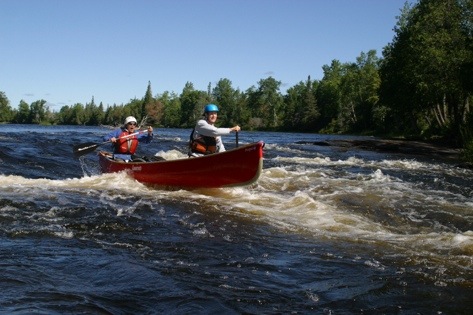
467, 134
266, 103
426, 70
172, 109
192, 105
301, 111
38, 112
328, 93
6, 112
468, 151
23, 113
226, 97
422, 86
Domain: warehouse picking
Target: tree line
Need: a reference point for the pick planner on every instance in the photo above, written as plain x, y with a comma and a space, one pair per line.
421, 87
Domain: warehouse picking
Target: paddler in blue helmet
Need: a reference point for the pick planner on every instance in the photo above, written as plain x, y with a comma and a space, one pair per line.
206, 138
125, 139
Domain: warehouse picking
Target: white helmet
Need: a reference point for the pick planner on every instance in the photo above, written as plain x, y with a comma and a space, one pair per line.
130, 119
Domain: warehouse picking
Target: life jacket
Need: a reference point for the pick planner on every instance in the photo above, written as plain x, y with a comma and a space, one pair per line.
127, 145
203, 144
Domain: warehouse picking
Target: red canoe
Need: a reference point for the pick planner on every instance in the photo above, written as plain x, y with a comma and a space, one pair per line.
236, 167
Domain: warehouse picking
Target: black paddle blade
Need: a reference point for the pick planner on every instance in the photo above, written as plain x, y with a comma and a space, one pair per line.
84, 148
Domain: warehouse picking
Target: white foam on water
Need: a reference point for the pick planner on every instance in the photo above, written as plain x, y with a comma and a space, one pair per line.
171, 154
319, 197
370, 207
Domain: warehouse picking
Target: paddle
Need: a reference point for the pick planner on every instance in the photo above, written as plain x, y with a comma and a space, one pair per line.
89, 147
236, 139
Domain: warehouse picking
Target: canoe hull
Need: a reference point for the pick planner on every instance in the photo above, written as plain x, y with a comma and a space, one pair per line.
237, 167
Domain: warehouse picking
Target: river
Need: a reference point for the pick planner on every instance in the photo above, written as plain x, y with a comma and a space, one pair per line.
325, 230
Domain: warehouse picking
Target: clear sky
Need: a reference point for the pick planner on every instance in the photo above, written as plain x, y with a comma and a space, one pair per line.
68, 51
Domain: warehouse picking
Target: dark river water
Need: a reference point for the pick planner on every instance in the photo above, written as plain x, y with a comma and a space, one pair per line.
325, 230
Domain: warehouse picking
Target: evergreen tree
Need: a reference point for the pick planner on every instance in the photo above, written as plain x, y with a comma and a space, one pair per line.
300, 107
267, 102
171, 111
192, 104
310, 111
23, 114
147, 101
38, 111
329, 96
152, 108
226, 97
78, 114
6, 112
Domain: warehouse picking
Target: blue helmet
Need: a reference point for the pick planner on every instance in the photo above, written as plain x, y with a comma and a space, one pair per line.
210, 108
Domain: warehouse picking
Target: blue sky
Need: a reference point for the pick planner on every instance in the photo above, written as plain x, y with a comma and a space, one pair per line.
68, 51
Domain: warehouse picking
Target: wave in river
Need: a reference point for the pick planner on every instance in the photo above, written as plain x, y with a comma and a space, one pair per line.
354, 202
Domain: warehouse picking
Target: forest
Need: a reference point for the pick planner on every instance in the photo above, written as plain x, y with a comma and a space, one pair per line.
420, 88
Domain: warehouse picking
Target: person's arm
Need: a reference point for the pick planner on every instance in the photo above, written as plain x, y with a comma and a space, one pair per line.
205, 129
146, 137
220, 146
114, 134
236, 128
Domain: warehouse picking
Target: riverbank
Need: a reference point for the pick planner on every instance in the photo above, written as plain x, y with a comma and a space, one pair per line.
437, 151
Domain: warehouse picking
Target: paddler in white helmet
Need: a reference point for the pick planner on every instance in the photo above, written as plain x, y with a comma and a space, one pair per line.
125, 139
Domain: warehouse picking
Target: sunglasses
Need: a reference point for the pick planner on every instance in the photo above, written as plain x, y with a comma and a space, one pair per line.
131, 124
